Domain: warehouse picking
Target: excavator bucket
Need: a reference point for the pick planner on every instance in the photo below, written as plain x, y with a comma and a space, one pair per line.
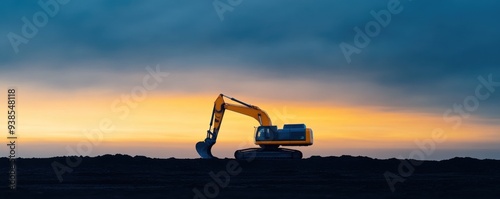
205, 149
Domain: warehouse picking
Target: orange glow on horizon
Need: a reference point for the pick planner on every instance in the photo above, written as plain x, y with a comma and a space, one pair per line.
173, 123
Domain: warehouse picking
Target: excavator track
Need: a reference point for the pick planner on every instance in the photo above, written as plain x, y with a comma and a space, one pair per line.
266, 154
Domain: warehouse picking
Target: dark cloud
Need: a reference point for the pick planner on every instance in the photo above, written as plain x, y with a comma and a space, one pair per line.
429, 56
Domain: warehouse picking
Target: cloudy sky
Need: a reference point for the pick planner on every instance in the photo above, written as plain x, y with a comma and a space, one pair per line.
429, 65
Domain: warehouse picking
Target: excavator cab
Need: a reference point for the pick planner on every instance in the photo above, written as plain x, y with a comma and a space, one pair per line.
266, 133
290, 135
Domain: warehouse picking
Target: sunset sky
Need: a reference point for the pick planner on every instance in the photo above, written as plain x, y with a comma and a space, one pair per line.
284, 56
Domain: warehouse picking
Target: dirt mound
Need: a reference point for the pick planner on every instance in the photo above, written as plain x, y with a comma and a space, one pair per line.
124, 176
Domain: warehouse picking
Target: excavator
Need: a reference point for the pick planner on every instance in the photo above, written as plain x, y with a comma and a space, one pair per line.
267, 136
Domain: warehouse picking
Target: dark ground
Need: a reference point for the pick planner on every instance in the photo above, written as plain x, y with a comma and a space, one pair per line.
122, 176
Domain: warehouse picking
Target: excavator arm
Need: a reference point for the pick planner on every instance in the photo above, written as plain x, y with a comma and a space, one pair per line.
220, 106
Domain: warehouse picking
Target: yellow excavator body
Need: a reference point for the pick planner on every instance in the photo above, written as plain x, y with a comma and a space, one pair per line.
267, 136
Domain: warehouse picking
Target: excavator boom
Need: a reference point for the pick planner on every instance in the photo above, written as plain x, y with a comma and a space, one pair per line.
220, 106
